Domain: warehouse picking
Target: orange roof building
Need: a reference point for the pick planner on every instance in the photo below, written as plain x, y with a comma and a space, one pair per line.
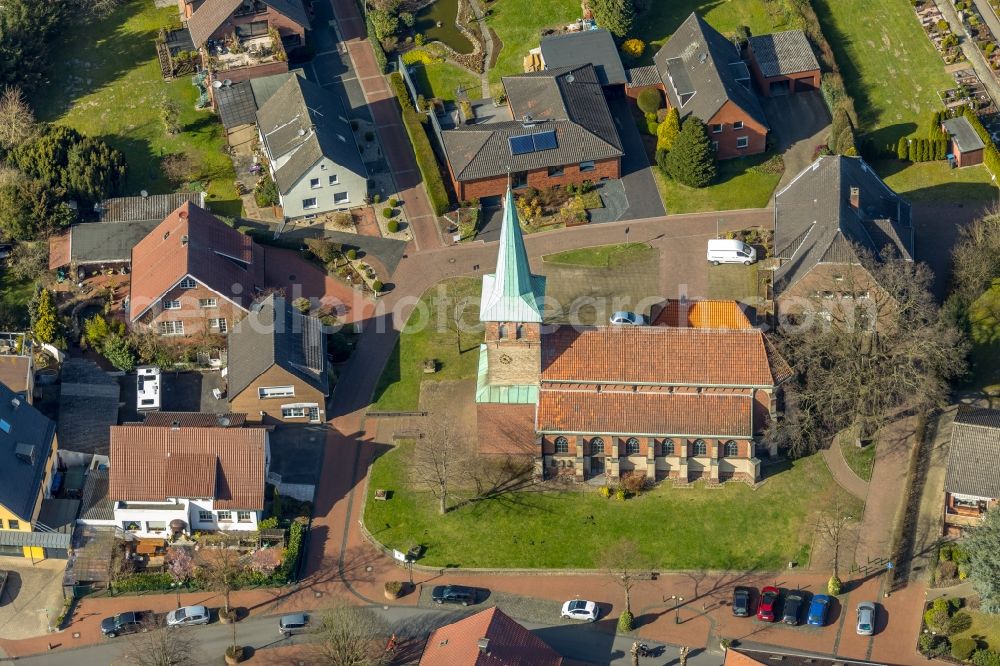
209, 478
488, 638
685, 398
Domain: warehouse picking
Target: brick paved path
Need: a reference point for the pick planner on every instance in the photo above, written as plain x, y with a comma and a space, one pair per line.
842, 473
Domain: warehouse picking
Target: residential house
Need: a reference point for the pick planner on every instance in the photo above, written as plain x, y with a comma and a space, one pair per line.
311, 151
580, 402
834, 209
964, 144
744, 656
27, 458
193, 275
107, 244
488, 638
237, 104
783, 63
559, 131
207, 478
17, 366
972, 482
278, 369
236, 38
702, 74
596, 47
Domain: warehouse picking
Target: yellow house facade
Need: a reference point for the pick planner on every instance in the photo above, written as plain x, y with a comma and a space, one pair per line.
27, 457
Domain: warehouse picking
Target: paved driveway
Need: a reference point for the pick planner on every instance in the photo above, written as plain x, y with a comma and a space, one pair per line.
640, 188
798, 123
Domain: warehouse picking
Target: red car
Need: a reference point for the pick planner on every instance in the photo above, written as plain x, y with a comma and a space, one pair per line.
768, 600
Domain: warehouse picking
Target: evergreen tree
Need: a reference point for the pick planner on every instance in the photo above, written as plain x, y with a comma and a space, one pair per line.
668, 130
983, 548
902, 149
616, 16
46, 327
31, 209
691, 161
845, 142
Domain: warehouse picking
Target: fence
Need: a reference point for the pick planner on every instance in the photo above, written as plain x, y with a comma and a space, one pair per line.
435, 123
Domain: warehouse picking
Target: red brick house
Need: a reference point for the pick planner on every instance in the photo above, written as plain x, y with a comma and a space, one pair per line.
702, 74
561, 132
963, 142
488, 638
783, 63
582, 401
193, 274
972, 482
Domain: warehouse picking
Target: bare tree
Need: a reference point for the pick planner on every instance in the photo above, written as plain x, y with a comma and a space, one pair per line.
221, 567
831, 527
439, 458
161, 646
17, 122
976, 256
351, 636
624, 562
882, 349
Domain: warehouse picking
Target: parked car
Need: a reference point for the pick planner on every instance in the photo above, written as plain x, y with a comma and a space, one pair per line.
793, 606
127, 623
454, 594
580, 609
768, 600
818, 609
730, 251
628, 319
295, 623
188, 615
741, 602
866, 618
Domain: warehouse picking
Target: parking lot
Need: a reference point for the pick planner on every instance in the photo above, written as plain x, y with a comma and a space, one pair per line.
32, 597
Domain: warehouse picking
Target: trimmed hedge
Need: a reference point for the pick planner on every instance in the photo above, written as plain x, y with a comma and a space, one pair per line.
143, 582
293, 551
427, 163
380, 58
991, 157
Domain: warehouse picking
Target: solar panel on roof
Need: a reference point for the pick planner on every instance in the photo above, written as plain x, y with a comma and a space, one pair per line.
545, 140
519, 145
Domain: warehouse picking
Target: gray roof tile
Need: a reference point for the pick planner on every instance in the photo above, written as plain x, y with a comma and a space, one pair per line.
963, 134
779, 53
152, 207
596, 47
97, 242
974, 456
88, 406
25, 443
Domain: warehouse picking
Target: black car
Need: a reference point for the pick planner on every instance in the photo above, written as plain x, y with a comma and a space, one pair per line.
454, 594
741, 602
793, 605
126, 623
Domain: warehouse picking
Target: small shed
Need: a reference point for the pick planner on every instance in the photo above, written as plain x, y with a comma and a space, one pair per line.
783, 63
964, 143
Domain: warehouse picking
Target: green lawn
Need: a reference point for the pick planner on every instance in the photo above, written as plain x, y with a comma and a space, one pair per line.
861, 461
936, 181
604, 256
106, 82
985, 629
518, 24
663, 17
734, 187
426, 336
440, 79
14, 297
733, 527
733, 282
888, 64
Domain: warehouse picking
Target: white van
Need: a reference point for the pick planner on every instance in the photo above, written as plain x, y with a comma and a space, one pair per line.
730, 251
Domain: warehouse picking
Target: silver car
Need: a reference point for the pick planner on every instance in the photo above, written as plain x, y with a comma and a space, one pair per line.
182, 617
866, 618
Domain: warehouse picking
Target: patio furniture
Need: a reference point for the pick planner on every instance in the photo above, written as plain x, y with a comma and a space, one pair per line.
151, 547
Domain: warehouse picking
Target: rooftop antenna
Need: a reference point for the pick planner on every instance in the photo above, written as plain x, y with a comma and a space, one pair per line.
317, 112
570, 78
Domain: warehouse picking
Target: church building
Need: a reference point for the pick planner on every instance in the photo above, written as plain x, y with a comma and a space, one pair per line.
684, 398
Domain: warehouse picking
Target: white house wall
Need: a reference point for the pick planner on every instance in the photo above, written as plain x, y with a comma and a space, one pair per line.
356, 186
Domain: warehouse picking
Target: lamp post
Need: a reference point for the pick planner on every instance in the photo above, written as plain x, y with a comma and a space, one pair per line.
177, 592
677, 610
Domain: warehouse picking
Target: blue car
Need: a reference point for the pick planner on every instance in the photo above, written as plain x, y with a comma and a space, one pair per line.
817, 610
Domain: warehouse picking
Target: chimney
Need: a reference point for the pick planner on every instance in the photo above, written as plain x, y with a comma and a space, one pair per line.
484, 645
856, 198
175, 425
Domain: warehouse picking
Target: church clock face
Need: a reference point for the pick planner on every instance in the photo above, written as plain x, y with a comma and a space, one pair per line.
505, 359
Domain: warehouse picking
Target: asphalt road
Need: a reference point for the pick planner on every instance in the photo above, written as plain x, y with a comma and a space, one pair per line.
579, 642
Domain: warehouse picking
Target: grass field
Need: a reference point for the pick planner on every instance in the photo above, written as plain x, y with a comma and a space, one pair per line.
14, 297
440, 79
518, 24
736, 527
426, 336
889, 66
733, 282
734, 187
861, 461
936, 181
985, 629
604, 256
106, 82
663, 17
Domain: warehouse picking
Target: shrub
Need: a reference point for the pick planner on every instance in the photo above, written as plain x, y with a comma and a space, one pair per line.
293, 551
421, 56
426, 160
691, 161
931, 644
302, 304
947, 571
649, 100
962, 648
958, 623
941, 605
393, 202
269, 523
380, 58
937, 620
625, 622
634, 48
605, 491
387, 213
634, 483
265, 192
902, 148
377, 286
668, 130
620, 494
986, 658
143, 582
118, 350
393, 588
834, 586
393, 226
352, 254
